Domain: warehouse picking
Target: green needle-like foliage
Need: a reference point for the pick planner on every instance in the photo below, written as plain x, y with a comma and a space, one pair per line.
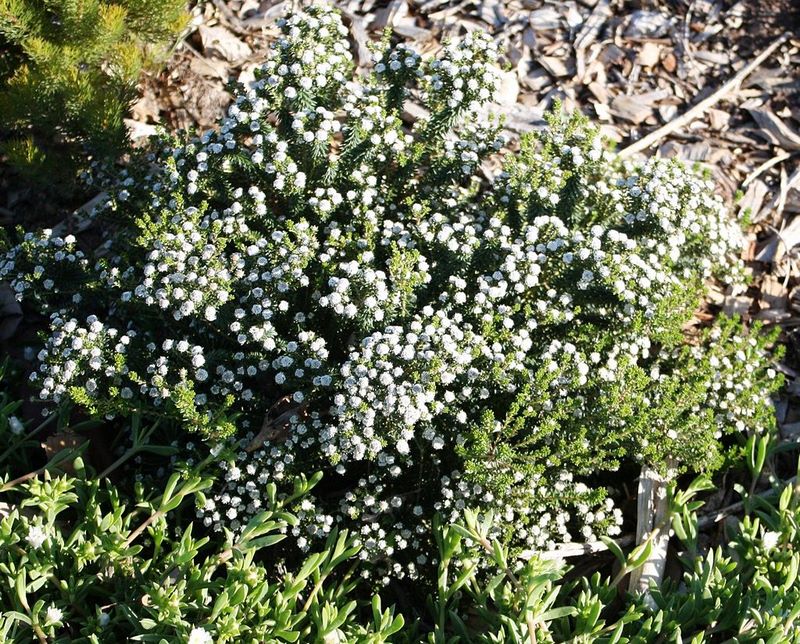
68, 75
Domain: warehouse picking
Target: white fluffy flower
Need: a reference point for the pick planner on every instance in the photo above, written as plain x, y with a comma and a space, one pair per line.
15, 425
200, 636
770, 539
36, 536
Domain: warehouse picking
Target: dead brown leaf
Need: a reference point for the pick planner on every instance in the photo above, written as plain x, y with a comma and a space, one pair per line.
59, 442
775, 129
220, 42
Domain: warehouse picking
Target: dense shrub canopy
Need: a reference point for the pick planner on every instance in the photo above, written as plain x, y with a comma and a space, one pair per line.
434, 324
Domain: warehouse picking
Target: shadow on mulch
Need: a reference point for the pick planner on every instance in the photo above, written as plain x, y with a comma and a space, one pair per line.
765, 20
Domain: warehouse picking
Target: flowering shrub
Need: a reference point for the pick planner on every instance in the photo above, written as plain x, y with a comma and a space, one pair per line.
326, 288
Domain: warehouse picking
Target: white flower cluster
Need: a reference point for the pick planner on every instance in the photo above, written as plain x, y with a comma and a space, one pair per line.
59, 263
460, 76
344, 293
81, 353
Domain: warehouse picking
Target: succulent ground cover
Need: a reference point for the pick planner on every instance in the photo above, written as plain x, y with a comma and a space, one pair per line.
80, 563
468, 355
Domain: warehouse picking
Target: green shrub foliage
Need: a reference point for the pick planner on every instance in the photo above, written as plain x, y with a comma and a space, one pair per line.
434, 324
68, 74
